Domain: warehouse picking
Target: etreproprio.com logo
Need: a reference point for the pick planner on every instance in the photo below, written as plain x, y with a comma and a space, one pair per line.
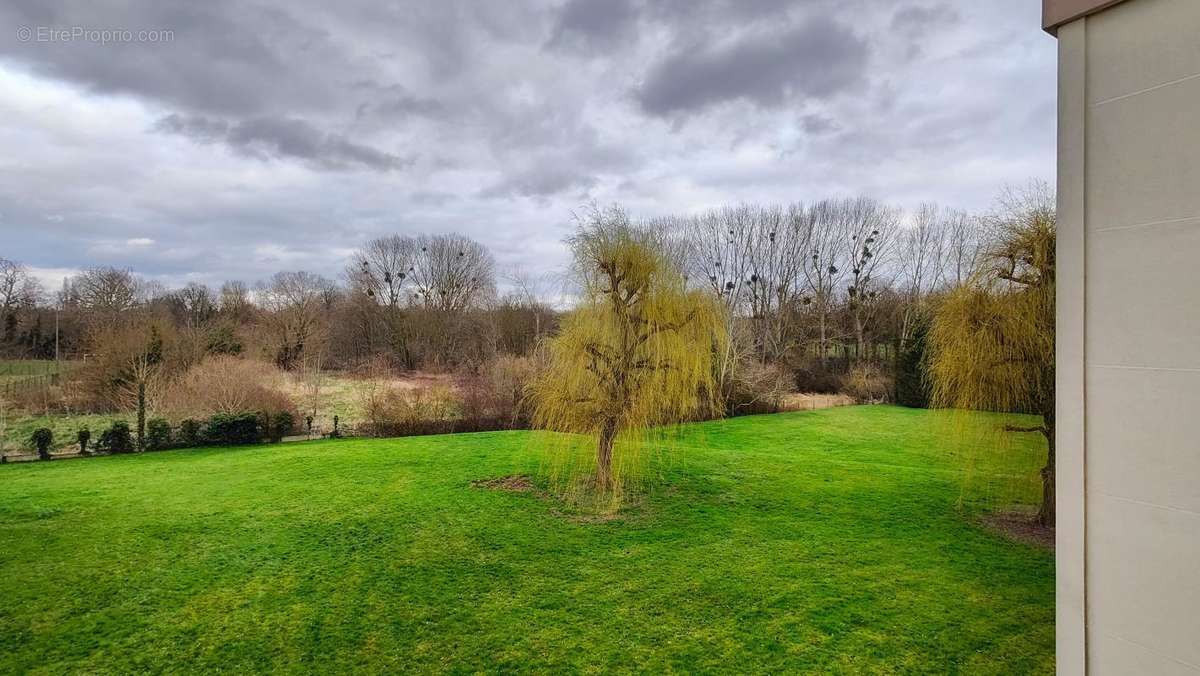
103, 36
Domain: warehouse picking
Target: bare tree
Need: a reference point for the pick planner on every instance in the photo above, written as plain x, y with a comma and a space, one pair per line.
452, 272
964, 246
922, 254
824, 269
872, 230
19, 291
297, 304
105, 291
384, 269
234, 301
193, 305
780, 240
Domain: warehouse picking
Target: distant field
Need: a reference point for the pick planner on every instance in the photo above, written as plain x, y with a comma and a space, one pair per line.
823, 541
21, 369
337, 394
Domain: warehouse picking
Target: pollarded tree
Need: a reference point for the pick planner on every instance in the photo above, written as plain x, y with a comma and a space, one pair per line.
636, 352
992, 340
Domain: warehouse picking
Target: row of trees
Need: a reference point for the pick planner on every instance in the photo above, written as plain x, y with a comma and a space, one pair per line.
809, 290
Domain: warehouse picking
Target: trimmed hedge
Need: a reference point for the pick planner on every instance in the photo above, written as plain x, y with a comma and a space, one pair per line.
158, 434
116, 439
233, 429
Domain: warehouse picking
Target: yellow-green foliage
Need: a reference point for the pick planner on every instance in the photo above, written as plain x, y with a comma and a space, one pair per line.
635, 353
992, 340
991, 344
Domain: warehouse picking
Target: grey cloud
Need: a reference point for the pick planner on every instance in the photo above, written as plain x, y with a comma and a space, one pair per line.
915, 20
223, 57
817, 124
539, 182
593, 23
395, 102
283, 138
814, 60
511, 125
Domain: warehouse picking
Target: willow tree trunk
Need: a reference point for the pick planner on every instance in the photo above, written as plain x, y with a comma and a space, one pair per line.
608, 435
1046, 515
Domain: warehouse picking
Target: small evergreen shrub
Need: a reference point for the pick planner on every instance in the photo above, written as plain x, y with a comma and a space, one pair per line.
41, 439
226, 429
116, 439
83, 436
189, 432
158, 434
912, 385
282, 423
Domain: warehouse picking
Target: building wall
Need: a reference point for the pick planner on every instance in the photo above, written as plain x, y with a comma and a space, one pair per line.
1129, 340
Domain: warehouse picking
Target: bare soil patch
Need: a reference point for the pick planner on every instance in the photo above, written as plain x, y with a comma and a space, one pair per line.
1022, 527
512, 484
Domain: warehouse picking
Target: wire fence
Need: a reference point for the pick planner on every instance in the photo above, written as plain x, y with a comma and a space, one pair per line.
21, 376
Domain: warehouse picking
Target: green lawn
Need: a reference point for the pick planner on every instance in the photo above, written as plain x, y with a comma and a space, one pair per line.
825, 541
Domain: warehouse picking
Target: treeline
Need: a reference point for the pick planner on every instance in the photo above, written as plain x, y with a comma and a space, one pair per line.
420, 302
826, 296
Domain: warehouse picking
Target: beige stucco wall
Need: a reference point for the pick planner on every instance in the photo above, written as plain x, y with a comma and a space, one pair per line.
1129, 340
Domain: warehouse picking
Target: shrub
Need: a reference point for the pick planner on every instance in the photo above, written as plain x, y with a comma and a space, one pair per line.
508, 378
403, 412
158, 434
229, 385
281, 424
757, 388
816, 379
83, 436
224, 429
41, 439
867, 384
116, 439
189, 432
912, 386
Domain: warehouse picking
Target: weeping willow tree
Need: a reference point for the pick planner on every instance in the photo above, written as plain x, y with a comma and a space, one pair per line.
992, 340
636, 352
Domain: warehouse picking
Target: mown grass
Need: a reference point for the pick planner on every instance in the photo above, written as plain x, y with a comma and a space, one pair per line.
826, 541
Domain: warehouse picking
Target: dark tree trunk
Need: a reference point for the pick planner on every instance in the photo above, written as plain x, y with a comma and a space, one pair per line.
608, 434
1046, 515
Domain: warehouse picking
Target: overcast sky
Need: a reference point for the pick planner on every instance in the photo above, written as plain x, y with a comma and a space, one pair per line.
266, 136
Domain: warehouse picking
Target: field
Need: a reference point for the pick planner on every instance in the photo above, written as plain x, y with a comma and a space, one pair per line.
843, 540
327, 395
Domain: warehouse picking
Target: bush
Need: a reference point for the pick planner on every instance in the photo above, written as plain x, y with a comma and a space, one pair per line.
867, 384
816, 379
757, 388
229, 385
41, 439
912, 386
405, 412
226, 429
83, 436
280, 425
491, 397
116, 439
189, 432
158, 434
